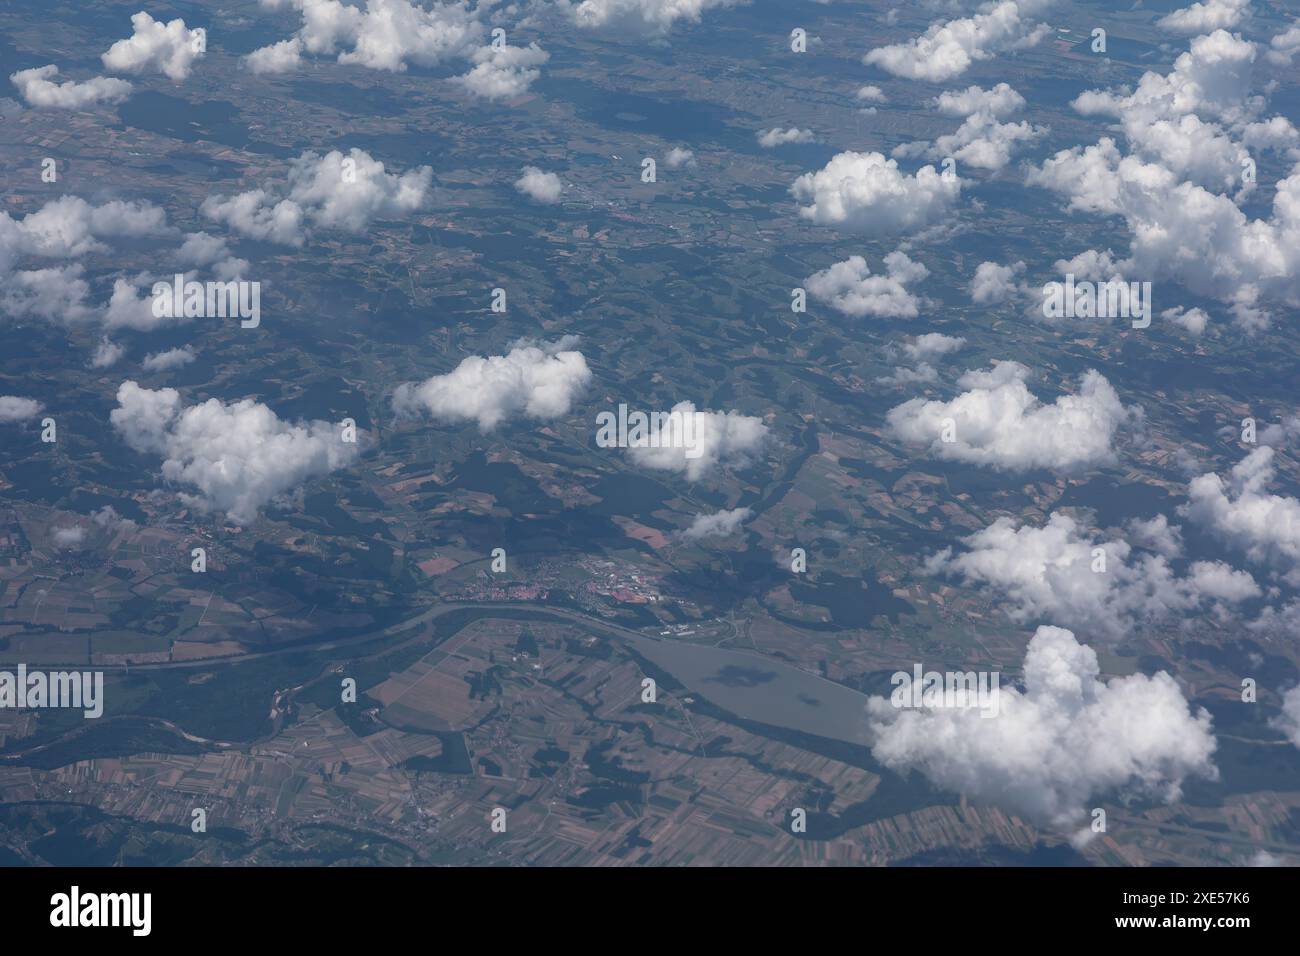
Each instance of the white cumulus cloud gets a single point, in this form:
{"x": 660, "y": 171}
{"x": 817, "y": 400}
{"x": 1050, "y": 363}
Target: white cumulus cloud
{"x": 871, "y": 94}
{"x": 238, "y": 455}
{"x": 1283, "y": 47}
{"x": 717, "y": 525}
{"x": 1000, "y": 424}
{"x": 106, "y": 354}
{"x": 982, "y": 140}
{"x": 647, "y": 18}
{"x": 999, "y": 101}
{"x": 1066, "y": 740}
{"x": 334, "y": 191}
{"x": 1195, "y": 321}
{"x": 62, "y": 229}
{"x": 678, "y": 157}
{"x": 1175, "y": 119}
{"x": 776, "y": 136}
{"x": 867, "y": 193}
{"x": 1205, "y": 16}
{"x": 168, "y": 360}
{"x": 849, "y": 287}
{"x": 16, "y": 409}
{"x": 711, "y": 440}
{"x": 932, "y": 345}
{"x": 40, "y": 88}
{"x": 539, "y": 186}
{"x": 1059, "y": 573}
{"x": 1190, "y": 133}
{"x": 948, "y": 48}
{"x": 536, "y": 380}
{"x": 382, "y": 34}
{"x": 503, "y": 72}
{"x": 995, "y": 283}
{"x": 1288, "y": 721}
{"x": 1242, "y": 512}
{"x": 282, "y": 57}
{"x": 155, "y": 47}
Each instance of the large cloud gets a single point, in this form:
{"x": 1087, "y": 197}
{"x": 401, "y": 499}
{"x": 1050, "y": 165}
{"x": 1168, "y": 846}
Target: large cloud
{"x": 1057, "y": 574}
{"x": 867, "y": 193}
{"x": 538, "y": 381}
{"x": 1183, "y": 231}
{"x": 1173, "y": 118}
{"x": 238, "y": 455}
{"x": 947, "y": 49}
{"x": 1065, "y": 741}
{"x": 40, "y": 88}
{"x": 334, "y": 191}
{"x": 1000, "y": 424}
{"x": 155, "y": 47}
{"x": 1190, "y": 132}
{"x": 850, "y": 287}
{"x": 1242, "y": 512}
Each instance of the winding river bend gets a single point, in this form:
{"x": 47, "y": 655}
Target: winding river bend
{"x": 737, "y": 683}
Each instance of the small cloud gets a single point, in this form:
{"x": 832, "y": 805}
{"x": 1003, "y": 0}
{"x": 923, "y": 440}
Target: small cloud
{"x": 15, "y": 409}
{"x": 539, "y": 186}
{"x": 107, "y": 353}
{"x": 166, "y": 361}
{"x": 678, "y": 157}
{"x": 771, "y": 138}
{"x": 717, "y": 525}
{"x": 69, "y": 537}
